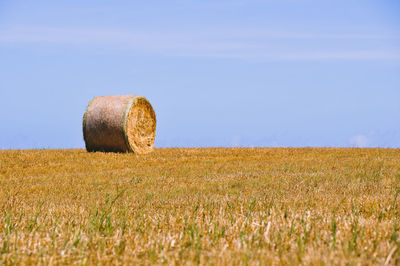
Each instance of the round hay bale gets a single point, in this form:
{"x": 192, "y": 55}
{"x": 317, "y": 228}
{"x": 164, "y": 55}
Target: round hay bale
{"x": 123, "y": 123}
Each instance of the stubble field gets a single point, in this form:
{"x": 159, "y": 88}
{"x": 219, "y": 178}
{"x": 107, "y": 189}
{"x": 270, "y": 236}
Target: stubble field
{"x": 217, "y": 206}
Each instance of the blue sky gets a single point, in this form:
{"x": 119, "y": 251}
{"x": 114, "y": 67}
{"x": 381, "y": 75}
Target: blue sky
{"x": 218, "y": 73}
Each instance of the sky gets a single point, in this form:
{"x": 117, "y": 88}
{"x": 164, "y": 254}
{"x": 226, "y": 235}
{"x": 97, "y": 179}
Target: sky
{"x": 225, "y": 73}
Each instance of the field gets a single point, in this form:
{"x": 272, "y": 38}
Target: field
{"x": 253, "y": 206}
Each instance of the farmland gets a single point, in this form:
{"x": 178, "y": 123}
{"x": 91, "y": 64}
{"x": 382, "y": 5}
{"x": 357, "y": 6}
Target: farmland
{"x": 201, "y": 205}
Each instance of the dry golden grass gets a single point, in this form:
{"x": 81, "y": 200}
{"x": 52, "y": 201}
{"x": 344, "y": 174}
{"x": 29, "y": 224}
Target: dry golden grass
{"x": 220, "y": 206}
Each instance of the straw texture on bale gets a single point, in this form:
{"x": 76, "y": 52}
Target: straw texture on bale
{"x": 123, "y": 123}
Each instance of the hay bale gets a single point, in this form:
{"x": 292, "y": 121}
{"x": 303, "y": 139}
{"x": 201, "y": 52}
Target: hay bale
{"x": 124, "y": 123}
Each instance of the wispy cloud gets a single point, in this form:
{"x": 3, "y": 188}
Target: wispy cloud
{"x": 221, "y": 43}
{"x": 359, "y": 141}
